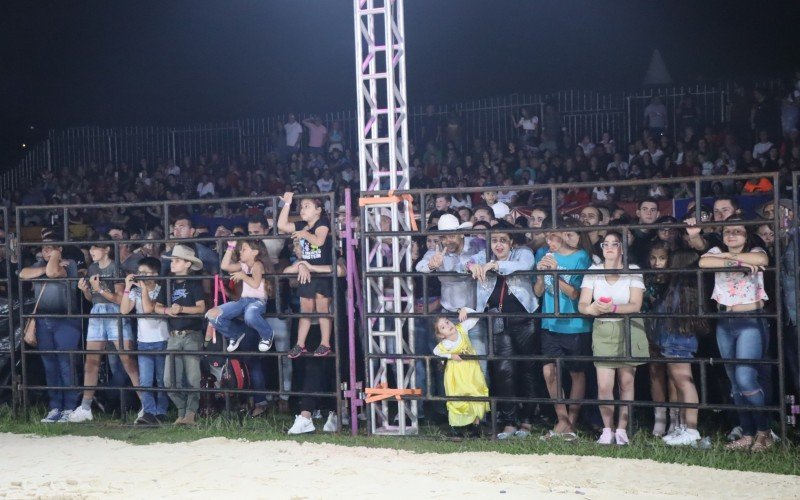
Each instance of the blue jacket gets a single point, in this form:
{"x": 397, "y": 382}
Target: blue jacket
{"x": 521, "y": 287}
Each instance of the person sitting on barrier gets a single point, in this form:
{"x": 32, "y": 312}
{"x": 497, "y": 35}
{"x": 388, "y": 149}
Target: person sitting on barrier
{"x": 566, "y": 250}
{"x": 313, "y": 233}
{"x": 461, "y": 377}
{"x": 187, "y": 298}
{"x": 253, "y": 264}
{"x": 744, "y": 337}
{"x": 614, "y": 293}
{"x": 500, "y": 291}
{"x": 676, "y": 338}
{"x": 56, "y": 334}
{"x": 152, "y": 335}
{"x": 105, "y": 295}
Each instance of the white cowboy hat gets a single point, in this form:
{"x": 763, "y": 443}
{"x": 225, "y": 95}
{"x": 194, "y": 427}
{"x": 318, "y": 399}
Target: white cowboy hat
{"x": 448, "y": 222}
{"x": 186, "y": 253}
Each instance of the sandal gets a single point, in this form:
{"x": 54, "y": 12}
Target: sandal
{"x": 743, "y": 443}
{"x": 296, "y": 351}
{"x": 763, "y": 442}
{"x": 322, "y": 350}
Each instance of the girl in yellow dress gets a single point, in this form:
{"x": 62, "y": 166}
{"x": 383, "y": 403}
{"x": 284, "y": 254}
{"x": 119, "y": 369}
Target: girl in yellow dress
{"x": 461, "y": 377}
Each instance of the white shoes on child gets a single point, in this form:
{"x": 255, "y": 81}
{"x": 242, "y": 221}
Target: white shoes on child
{"x": 302, "y": 425}
{"x": 233, "y": 344}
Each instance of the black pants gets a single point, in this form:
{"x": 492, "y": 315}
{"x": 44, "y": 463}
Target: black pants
{"x": 514, "y": 378}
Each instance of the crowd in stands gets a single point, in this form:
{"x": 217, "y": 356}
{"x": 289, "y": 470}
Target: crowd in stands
{"x": 475, "y": 234}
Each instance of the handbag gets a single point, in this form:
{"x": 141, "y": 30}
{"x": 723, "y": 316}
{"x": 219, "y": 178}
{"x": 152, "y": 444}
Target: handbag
{"x": 211, "y": 332}
{"x": 29, "y": 333}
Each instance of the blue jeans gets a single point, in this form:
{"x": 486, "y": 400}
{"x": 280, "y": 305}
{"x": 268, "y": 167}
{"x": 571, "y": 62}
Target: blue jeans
{"x": 150, "y": 365}
{"x": 59, "y": 369}
{"x": 745, "y": 338}
{"x": 251, "y": 309}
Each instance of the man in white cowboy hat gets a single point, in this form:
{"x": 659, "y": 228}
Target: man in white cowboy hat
{"x": 457, "y": 291}
{"x": 185, "y": 333}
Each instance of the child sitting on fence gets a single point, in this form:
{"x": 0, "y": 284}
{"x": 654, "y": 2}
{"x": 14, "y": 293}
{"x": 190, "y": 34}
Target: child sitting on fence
{"x": 250, "y": 308}
{"x": 461, "y": 377}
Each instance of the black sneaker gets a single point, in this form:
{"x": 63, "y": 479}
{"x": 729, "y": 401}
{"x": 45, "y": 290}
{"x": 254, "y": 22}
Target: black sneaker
{"x": 162, "y": 419}
{"x": 147, "y": 419}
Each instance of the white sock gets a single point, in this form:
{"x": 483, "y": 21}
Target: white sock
{"x": 660, "y": 424}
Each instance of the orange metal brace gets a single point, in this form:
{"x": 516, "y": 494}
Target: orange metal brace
{"x": 392, "y": 198}
{"x": 382, "y": 392}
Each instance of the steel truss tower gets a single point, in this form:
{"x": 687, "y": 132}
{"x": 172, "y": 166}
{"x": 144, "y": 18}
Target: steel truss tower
{"x": 383, "y": 165}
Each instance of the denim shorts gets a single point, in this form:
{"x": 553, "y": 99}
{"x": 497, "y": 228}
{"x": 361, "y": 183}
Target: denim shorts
{"x": 675, "y": 345}
{"x": 107, "y": 329}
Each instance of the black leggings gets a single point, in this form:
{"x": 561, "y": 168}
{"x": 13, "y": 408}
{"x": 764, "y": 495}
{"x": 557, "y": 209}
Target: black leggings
{"x": 514, "y": 378}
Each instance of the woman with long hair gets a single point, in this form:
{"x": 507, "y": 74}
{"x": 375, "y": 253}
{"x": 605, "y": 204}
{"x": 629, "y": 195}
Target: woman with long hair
{"x": 607, "y": 297}
{"x": 742, "y": 336}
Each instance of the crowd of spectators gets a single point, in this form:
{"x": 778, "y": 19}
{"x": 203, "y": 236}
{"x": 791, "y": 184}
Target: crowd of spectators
{"x": 760, "y": 138}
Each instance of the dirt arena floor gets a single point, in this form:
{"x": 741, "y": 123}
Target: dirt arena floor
{"x": 90, "y": 467}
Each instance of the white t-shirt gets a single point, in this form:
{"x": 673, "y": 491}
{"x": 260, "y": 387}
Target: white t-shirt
{"x": 507, "y": 197}
{"x": 204, "y": 189}
{"x": 325, "y": 185}
{"x": 761, "y": 148}
{"x": 602, "y": 193}
{"x": 620, "y": 292}
{"x": 529, "y": 124}
{"x": 149, "y": 329}
{"x": 293, "y": 133}
{"x": 735, "y": 288}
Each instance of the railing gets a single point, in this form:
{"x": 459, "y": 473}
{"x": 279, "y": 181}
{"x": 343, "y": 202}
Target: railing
{"x": 22, "y": 389}
{"x": 580, "y": 112}
{"x": 702, "y": 365}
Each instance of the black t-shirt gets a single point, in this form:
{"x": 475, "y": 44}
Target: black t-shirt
{"x": 510, "y": 303}
{"x": 314, "y": 255}
{"x": 185, "y": 293}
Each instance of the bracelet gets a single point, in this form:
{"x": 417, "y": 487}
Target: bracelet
{"x": 126, "y": 292}
{"x": 231, "y": 247}
{"x": 614, "y": 309}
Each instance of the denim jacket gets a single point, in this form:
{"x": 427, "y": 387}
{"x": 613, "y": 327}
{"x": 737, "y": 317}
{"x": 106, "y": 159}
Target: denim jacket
{"x": 457, "y": 291}
{"x": 521, "y": 287}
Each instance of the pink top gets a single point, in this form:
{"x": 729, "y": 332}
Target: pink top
{"x": 735, "y": 288}
{"x": 249, "y": 291}
{"x": 316, "y": 135}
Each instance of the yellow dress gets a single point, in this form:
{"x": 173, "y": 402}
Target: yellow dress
{"x": 463, "y": 378}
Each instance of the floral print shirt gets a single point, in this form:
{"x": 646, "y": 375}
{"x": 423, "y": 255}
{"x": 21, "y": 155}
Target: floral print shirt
{"x": 735, "y": 288}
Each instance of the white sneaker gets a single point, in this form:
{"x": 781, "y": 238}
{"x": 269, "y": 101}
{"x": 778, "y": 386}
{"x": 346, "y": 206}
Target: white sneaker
{"x": 265, "y": 345}
{"x": 330, "y": 424}
{"x": 64, "y": 416}
{"x": 302, "y": 425}
{"x": 52, "y": 416}
{"x": 233, "y": 344}
{"x": 80, "y": 415}
{"x": 140, "y": 414}
{"x": 677, "y": 431}
{"x": 685, "y": 438}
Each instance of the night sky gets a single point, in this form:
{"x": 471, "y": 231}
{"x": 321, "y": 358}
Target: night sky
{"x": 112, "y": 62}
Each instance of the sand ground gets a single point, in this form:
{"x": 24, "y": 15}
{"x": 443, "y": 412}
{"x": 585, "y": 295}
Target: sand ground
{"x": 91, "y": 467}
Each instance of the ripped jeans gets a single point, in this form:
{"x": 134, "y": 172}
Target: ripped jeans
{"x": 745, "y": 338}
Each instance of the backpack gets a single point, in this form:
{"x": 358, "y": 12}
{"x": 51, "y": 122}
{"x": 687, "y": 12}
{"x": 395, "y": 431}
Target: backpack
{"x": 235, "y": 375}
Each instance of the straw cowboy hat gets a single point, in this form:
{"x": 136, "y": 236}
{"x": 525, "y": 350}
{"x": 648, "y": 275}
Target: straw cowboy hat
{"x": 448, "y": 222}
{"x": 186, "y": 253}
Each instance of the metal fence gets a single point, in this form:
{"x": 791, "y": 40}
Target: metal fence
{"x": 23, "y": 385}
{"x": 579, "y": 112}
{"x": 702, "y": 366}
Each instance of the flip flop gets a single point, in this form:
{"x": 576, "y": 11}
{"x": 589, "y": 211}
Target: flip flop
{"x": 547, "y": 437}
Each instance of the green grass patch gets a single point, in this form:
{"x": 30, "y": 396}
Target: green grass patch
{"x": 779, "y": 460}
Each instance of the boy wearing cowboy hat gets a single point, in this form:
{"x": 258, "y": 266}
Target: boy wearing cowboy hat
{"x": 184, "y": 332}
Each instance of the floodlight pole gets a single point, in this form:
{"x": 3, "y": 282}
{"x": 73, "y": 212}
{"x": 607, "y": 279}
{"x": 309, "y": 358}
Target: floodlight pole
{"x": 383, "y": 165}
